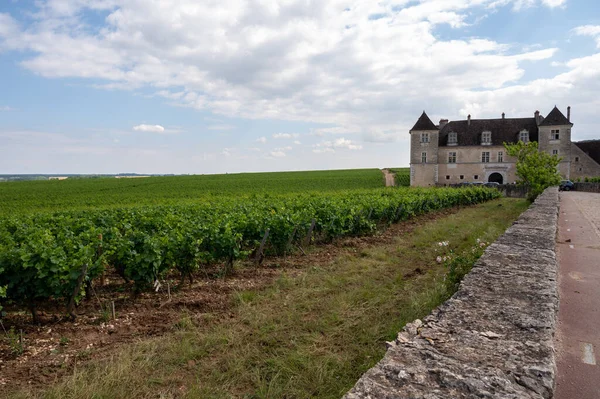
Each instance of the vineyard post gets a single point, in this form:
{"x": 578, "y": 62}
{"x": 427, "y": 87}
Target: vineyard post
{"x": 290, "y": 240}
{"x": 71, "y": 304}
{"x": 306, "y": 241}
{"x": 112, "y": 304}
{"x": 259, "y": 254}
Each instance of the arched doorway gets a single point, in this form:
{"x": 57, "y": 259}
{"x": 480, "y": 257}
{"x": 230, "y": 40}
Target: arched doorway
{"x": 496, "y": 178}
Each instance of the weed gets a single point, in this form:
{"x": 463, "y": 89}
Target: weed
{"x": 15, "y": 341}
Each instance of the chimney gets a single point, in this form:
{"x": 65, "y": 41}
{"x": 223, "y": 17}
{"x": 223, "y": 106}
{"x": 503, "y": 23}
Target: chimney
{"x": 469, "y": 120}
{"x": 443, "y": 122}
{"x": 569, "y": 113}
{"x": 537, "y": 117}
{"x": 503, "y": 114}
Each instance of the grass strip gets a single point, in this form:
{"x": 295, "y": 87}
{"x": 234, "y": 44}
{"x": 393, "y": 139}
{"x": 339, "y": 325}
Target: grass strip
{"x": 309, "y": 335}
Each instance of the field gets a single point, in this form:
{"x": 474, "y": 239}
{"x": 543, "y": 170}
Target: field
{"x": 51, "y": 196}
{"x": 198, "y": 249}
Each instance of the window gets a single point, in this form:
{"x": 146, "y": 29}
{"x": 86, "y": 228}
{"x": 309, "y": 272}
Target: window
{"x": 485, "y": 156}
{"x": 447, "y": 177}
{"x": 486, "y": 138}
{"x": 452, "y": 138}
{"x": 500, "y": 156}
{"x": 462, "y": 177}
{"x": 580, "y": 169}
{"x": 476, "y": 177}
{"x": 524, "y": 136}
{"x": 424, "y": 157}
{"x": 452, "y": 157}
{"x": 424, "y": 137}
{"x": 555, "y": 134}
{"x": 554, "y": 152}
{"x": 576, "y": 159}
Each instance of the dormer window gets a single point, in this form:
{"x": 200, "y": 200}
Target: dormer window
{"x": 424, "y": 137}
{"x": 524, "y": 136}
{"x": 452, "y": 138}
{"x": 555, "y": 134}
{"x": 486, "y": 138}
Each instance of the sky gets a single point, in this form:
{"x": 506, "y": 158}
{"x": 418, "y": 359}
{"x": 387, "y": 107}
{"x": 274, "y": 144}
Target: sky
{"x": 227, "y": 86}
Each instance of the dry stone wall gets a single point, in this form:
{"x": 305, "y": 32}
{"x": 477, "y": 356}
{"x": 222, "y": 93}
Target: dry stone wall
{"x": 494, "y": 337}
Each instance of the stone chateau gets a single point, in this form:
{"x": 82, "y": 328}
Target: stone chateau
{"x": 472, "y": 150}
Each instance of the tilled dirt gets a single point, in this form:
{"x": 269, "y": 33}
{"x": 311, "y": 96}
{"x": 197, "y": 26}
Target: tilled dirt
{"x": 39, "y": 354}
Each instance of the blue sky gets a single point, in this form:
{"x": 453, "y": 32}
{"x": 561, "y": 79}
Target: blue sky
{"x": 186, "y": 86}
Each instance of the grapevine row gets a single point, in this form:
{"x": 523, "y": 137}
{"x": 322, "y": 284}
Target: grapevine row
{"x": 43, "y": 256}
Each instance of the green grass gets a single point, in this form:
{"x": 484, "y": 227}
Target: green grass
{"x": 310, "y": 335}
{"x": 34, "y": 196}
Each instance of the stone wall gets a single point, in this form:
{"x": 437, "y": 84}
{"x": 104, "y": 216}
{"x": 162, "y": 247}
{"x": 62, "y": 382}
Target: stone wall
{"x": 589, "y": 187}
{"x": 494, "y": 337}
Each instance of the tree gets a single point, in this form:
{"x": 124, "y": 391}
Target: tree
{"x": 535, "y": 168}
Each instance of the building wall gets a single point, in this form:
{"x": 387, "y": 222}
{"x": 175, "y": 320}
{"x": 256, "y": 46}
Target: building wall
{"x": 469, "y": 166}
{"x": 563, "y": 146}
{"x": 423, "y": 174}
{"x": 582, "y": 165}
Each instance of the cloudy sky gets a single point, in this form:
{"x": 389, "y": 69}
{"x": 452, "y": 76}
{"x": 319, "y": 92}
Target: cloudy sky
{"x": 214, "y": 86}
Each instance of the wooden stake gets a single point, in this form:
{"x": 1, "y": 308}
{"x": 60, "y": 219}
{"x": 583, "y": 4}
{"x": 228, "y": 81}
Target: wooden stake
{"x": 290, "y": 240}
{"x": 259, "y": 254}
{"x": 169, "y": 290}
{"x": 112, "y": 304}
{"x": 71, "y": 304}
{"x": 309, "y": 235}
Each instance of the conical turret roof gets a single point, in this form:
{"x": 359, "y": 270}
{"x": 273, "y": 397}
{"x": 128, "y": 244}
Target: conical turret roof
{"x": 424, "y": 123}
{"x": 554, "y": 118}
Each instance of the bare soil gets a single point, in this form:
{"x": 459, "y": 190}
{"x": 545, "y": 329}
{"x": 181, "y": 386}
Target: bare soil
{"x": 55, "y": 347}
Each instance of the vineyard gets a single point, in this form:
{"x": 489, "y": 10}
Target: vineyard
{"x": 50, "y": 196}
{"x": 58, "y": 255}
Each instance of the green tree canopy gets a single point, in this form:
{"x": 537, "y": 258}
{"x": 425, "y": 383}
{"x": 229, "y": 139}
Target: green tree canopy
{"x": 535, "y": 168}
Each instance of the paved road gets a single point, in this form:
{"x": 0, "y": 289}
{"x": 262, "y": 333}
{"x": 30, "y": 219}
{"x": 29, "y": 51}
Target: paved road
{"x": 578, "y": 334}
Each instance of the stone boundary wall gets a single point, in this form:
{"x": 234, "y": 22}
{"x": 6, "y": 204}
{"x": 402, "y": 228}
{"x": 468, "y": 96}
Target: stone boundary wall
{"x": 588, "y": 187}
{"x": 494, "y": 337}
{"x": 513, "y": 190}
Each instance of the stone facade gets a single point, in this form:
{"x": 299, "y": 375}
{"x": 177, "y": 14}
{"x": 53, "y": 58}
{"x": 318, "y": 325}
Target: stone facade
{"x": 582, "y": 164}
{"x": 472, "y": 150}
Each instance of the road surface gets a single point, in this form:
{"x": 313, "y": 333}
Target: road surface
{"x": 578, "y": 333}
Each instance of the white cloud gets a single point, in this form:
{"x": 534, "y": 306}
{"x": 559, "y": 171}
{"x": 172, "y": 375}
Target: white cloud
{"x": 286, "y": 148}
{"x": 340, "y": 143}
{"x": 589, "y": 30}
{"x": 6, "y": 109}
{"x": 277, "y": 154}
{"x": 292, "y": 60}
{"x": 149, "y": 128}
{"x": 285, "y": 135}
{"x": 301, "y": 61}
{"x": 297, "y": 142}
{"x": 554, "y": 3}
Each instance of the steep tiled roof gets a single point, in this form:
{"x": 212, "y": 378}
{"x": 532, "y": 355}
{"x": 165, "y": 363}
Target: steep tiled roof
{"x": 555, "y": 117}
{"x": 424, "y": 123}
{"x": 503, "y": 130}
{"x": 590, "y": 147}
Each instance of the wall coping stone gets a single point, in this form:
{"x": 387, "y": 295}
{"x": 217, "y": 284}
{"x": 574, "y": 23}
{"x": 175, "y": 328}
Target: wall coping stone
{"x": 494, "y": 337}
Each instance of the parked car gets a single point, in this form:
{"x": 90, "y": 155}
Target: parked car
{"x": 566, "y": 185}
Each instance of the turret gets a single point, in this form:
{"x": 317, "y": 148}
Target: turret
{"x": 424, "y": 152}
{"x": 554, "y": 137}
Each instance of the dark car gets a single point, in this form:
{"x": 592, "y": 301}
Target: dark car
{"x": 566, "y": 185}
{"x": 492, "y": 184}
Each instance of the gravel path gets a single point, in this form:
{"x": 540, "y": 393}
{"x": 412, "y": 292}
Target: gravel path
{"x": 389, "y": 178}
